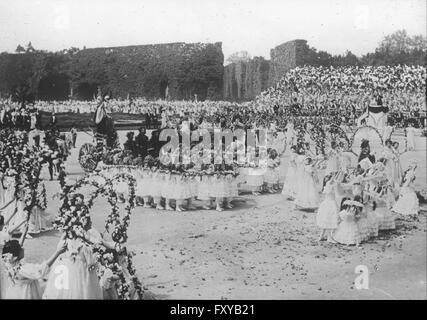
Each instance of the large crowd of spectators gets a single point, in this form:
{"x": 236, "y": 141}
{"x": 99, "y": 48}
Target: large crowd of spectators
{"x": 338, "y": 95}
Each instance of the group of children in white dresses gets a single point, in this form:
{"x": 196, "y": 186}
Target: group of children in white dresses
{"x": 264, "y": 177}
{"x": 301, "y": 180}
{"x": 159, "y": 186}
{"x": 357, "y": 204}
{"x": 12, "y": 205}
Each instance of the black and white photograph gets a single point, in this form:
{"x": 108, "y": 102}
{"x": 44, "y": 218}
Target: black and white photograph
{"x": 213, "y": 151}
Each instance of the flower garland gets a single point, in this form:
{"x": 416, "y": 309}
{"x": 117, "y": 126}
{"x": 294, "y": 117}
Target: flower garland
{"x": 339, "y": 136}
{"x": 73, "y": 211}
{"x": 364, "y": 127}
{"x": 22, "y": 163}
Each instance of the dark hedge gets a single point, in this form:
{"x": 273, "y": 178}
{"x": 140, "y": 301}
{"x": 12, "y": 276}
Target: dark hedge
{"x": 143, "y": 71}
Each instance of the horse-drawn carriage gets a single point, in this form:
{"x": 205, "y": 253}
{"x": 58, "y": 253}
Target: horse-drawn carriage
{"x": 90, "y": 154}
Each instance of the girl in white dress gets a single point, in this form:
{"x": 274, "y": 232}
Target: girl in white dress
{"x": 307, "y": 196}
{"x": 5, "y": 236}
{"x": 169, "y": 186}
{"x": 40, "y": 219}
{"x": 390, "y": 162}
{"x": 385, "y": 217}
{"x": 81, "y": 279}
{"x": 407, "y": 203}
{"x": 373, "y": 225}
{"x": 19, "y": 214}
{"x": 145, "y": 183}
{"x": 231, "y": 186}
{"x": 204, "y": 185}
{"x": 157, "y": 184}
{"x": 410, "y": 137}
{"x": 397, "y": 163}
{"x": 327, "y": 215}
{"x": 348, "y": 231}
{"x": 299, "y": 172}
{"x": 255, "y": 177}
{"x": 362, "y": 222}
{"x": 9, "y": 195}
{"x": 332, "y": 164}
{"x": 23, "y": 277}
{"x": 289, "y": 189}
{"x": 182, "y": 190}
{"x": 218, "y": 188}
{"x": 271, "y": 176}
{"x": 290, "y": 134}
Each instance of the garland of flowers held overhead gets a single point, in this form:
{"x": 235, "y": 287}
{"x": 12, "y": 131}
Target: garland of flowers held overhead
{"x": 23, "y": 164}
{"x": 73, "y": 211}
{"x": 339, "y": 136}
{"x": 364, "y": 128}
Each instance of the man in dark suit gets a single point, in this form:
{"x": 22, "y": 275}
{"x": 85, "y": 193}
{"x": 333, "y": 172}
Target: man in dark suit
{"x": 141, "y": 142}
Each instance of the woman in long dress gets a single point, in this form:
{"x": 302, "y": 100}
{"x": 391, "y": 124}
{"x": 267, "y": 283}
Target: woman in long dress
{"x": 397, "y": 163}
{"x": 79, "y": 265}
{"x": 407, "y": 203}
{"x": 332, "y": 164}
{"x": 327, "y": 215}
{"x": 410, "y": 137}
{"x": 307, "y": 196}
{"x": 23, "y": 278}
{"x": 290, "y": 134}
{"x": 348, "y": 230}
{"x": 390, "y": 164}
{"x": 289, "y": 189}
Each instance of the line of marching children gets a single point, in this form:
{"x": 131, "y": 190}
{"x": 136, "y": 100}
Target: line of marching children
{"x": 174, "y": 187}
{"x": 357, "y": 203}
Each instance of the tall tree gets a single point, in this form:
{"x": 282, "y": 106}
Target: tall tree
{"x": 20, "y": 49}
{"x": 30, "y": 47}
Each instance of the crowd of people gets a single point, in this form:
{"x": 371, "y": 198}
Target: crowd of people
{"x": 307, "y": 115}
{"x": 340, "y": 94}
{"x": 359, "y": 200}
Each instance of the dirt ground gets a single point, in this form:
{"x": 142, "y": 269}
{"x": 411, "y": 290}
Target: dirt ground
{"x": 261, "y": 249}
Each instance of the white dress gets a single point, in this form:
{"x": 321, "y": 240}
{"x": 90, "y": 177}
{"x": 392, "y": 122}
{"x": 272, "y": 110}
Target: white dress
{"x": 385, "y": 218}
{"x": 40, "y": 220}
{"x": 373, "y": 225}
{"x": 299, "y": 173}
{"x": 23, "y": 280}
{"x": 290, "y": 133}
{"x": 363, "y": 225}
{"x": 255, "y": 177}
{"x": 203, "y": 189}
{"x": 407, "y": 203}
{"x": 9, "y": 194}
{"x": 157, "y": 182}
{"x": 144, "y": 183}
{"x": 272, "y": 173}
{"x": 327, "y": 215}
{"x": 332, "y": 164}
{"x": 348, "y": 231}
{"x": 4, "y": 237}
{"x": 410, "y": 138}
{"x": 390, "y": 166}
{"x": 80, "y": 265}
{"x": 307, "y": 196}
